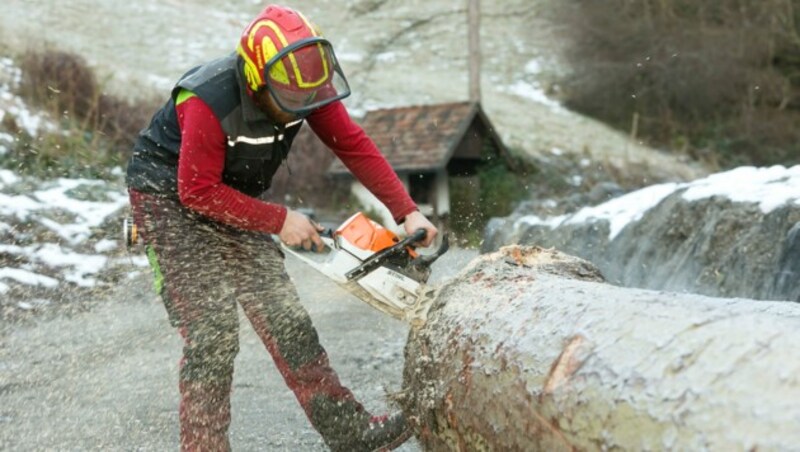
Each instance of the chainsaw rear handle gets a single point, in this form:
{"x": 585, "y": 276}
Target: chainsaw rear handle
{"x": 379, "y": 258}
{"x": 326, "y": 234}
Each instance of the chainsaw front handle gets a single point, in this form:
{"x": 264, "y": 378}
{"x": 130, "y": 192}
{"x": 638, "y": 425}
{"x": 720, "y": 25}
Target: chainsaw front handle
{"x": 380, "y": 258}
{"x": 418, "y": 236}
{"x": 424, "y": 261}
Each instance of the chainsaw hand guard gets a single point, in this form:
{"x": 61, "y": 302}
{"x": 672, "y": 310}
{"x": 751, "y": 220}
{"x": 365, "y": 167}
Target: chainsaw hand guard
{"x": 382, "y": 256}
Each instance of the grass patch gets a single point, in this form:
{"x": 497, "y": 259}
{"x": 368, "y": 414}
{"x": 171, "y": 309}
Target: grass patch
{"x": 94, "y": 131}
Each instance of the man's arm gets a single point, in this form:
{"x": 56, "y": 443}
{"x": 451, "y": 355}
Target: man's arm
{"x": 333, "y": 125}
{"x": 200, "y": 186}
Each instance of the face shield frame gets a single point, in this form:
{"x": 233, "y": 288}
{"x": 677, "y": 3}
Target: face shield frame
{"x": 306, "y": 106}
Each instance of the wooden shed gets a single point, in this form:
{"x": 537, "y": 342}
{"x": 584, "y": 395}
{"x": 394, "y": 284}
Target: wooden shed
{"x": 428, "y": 146}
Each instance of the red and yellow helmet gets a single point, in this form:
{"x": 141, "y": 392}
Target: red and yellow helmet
{"x": 285, "y": 53}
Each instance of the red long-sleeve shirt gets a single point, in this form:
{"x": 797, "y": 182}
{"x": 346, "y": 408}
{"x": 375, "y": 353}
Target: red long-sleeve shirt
{"x": 202, "y": 160}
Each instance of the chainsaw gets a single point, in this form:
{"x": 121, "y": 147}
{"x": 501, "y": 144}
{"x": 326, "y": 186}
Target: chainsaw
{"x": 375, "y": 265}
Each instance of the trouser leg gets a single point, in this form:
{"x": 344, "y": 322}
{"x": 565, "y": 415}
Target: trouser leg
{"x": 271, "y": 303}
{"x": 206, "y": 375}
{"x": 187, "y": 255}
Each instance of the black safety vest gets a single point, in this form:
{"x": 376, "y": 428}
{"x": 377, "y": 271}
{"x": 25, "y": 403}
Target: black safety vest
{"x": 255, "y": 146}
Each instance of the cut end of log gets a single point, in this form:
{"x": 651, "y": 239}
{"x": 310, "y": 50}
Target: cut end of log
{"x": 547, "y": 260}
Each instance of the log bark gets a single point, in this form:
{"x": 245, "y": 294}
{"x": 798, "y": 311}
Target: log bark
{"x": 528, "y": 349}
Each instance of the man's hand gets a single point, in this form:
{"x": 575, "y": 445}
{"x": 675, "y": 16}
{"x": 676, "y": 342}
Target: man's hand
{"x": 298, "y": 230}
{"x": 416, "y": 220}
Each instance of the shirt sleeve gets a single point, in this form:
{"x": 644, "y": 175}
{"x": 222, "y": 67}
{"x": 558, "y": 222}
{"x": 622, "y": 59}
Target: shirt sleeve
{"x": 333, "y": 125}
{"x": 200, "y": 166}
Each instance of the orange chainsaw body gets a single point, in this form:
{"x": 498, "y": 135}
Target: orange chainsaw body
{"x": 368, "y": 235}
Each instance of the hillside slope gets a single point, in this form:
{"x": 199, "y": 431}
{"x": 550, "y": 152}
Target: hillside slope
{"x": 394, "y": 52}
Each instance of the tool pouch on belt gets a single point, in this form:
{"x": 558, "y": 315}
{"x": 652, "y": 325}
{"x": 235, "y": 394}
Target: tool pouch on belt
{"x": 158, "y": 285}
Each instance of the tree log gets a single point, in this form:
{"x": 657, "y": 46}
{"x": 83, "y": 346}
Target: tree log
{"x": 528, "y": 349}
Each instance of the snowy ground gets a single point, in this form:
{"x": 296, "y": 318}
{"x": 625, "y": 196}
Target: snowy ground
{"x": 59, "y": 239}
{"x": 55, "y": 235}
{"x": 11, "y": 105}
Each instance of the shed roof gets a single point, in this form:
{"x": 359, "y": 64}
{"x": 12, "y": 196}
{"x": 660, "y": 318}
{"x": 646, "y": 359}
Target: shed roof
{"x": 421, "y": 137}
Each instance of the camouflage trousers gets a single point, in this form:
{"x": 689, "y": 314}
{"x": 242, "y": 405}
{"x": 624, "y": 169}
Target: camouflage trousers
{"x": 203, "y": 269}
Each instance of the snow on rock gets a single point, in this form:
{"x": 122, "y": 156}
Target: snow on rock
{"x": 622, "y": 211}
{"x": 732, "y": 234}
{"x": 770, "y": 187}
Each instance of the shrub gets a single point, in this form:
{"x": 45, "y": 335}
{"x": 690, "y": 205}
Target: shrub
{"x": 718, "y": 76}
{"x": 97, "y": 130}
{"x": 493, "y": 192}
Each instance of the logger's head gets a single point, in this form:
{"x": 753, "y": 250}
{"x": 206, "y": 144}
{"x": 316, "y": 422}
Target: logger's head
{"x": 287, "y": 65}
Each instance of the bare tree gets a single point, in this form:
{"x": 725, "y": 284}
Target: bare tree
{"x": 705, "y": 76}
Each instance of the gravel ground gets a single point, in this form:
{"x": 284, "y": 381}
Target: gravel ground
{"x": 106, "y": 379}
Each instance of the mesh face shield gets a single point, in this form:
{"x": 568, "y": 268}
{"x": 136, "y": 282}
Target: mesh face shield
{"x": 304, "y": 76}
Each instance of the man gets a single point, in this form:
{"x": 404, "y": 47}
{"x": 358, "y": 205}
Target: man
{"x": 194, "y": 179}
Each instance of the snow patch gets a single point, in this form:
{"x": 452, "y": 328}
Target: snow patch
{"x": 78, "y": 266}
{"x": 90, "y": 214}
{"x": 7, "y": 177}
{"x": 74, "y": 267}
{"x": 534, "y": 92}
{"x": 27, "y": 277}
{"x": 31, "y": 122}
{"x": 105, "y": 245}
{"x": 770, "y": 187}
{"x": 351, "y": 57}
{"x": 85, "y": 204}
{"x": 33, "y": 304}
{"x": 534, "y": 67}
{"x": 386, "y": 57}
{"x": 19, "y": 206}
